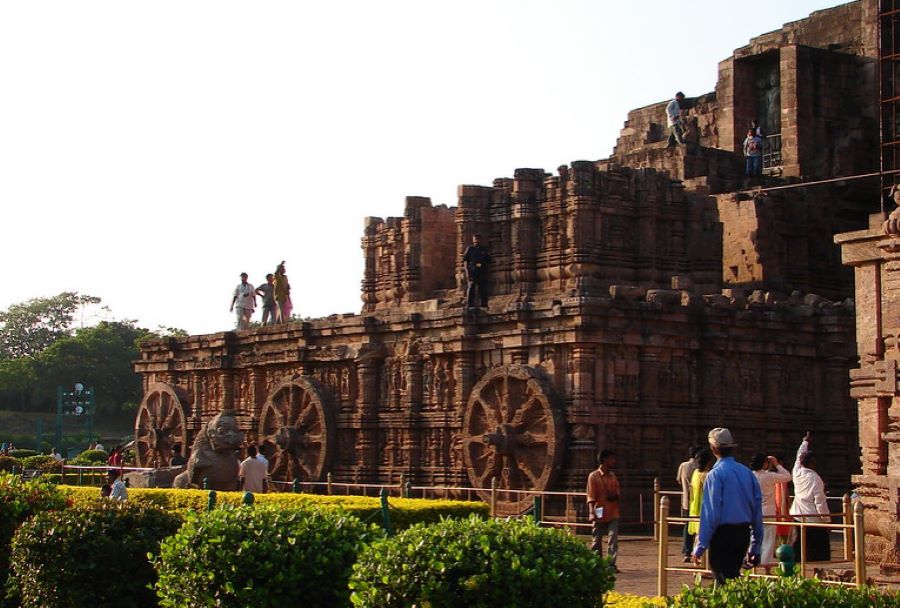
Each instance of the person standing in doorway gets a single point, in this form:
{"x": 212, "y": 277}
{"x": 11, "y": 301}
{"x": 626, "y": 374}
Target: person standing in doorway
{"x": 603, "y": 506}
{"x": 476, "y": 258}
{"x": 753, "y": 149}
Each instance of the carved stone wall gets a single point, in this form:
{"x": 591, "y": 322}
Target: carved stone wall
{"x": 874, "y": 255}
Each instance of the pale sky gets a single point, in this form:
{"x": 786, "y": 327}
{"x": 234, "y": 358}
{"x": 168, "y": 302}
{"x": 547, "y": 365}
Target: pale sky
{"x": 151, "y": 151}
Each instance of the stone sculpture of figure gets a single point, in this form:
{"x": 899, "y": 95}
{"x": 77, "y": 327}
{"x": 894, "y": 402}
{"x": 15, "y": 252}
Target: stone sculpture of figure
{"x": 212, "y": 456}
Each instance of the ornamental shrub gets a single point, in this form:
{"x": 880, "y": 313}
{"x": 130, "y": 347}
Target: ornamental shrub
{"x": 795, "y": 592}
{"x": 43, "y": 463}
{"x": 90, "y": 457}
{"x": 8, "y": 462}
{"x": 404, "y": 511}
{"x": 260, "y": 557}
{"x": 91, "y": 558}
{"x": 22, "y": 453}
{"x": 20, "y": 500}
{"x": 480, "y": 564}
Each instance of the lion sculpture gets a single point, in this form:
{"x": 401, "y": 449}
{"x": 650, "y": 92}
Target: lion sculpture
{"x": 212, "y": 455}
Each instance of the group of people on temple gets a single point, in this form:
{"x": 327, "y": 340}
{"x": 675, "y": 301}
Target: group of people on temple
{"x": 734, "y": 509}
{"x": 275, "y": 294}
{"x": 752, "y": 146}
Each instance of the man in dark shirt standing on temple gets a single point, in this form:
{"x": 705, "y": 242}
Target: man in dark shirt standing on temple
{"x": 476, "y": 258}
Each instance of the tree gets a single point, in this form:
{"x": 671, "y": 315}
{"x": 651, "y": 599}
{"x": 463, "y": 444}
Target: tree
{"x": 28, "y": 328}
{"x": 100, "y": 357}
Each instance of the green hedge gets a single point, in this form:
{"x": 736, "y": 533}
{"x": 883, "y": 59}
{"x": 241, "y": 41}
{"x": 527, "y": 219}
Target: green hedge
{"x": 91, "y": 558}
{"x": 262, "y": 557}
{"x": 43, "y": 463}
{"x": 404, "y": 511}
{"x": 789, "y": 592}
{"x": 90, "y": 457}
{"x": 8, "y": 462}
{"x": 20, "y": 500}
{"x": 22, "y": 453}
{"x": 480, "y": 564}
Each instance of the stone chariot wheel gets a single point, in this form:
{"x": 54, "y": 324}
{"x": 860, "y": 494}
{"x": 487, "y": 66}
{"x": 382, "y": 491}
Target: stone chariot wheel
{"x": 513, "y": 430}
{"x": 296, "y": 430}
{"x": 160, "y": 426}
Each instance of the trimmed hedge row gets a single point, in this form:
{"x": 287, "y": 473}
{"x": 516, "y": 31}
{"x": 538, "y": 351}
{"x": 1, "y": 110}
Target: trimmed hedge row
{"x": 260, "y": 556}
{"x": 404, "y": 512}
{"x": 20, "y": 500}
{"x": 480, "y": 564}
{"x": 795, "y": 592}
{"x": 94, "y": 557}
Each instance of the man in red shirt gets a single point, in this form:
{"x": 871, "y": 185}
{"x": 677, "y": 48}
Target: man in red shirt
{"x": 603, "y": 506}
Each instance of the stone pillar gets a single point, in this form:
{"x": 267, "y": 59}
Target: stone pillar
{"x": 875, "y": 256}
{"x": 412, "y": 405}
{"x": 367, "y": 414}
{"x": 463, "y": 380}
{"x": 525, "y": 226}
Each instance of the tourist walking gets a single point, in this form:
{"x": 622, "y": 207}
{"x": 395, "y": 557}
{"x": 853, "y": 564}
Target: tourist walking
{"x": 769, "y": 473}
{"x": 603, "y": 506}
{"x": 243, "y": 302}
{"x": 730, "y": 513}
{"x": 810, "y": 505}
{"x": 753, "y": 150}
{"x": 704, "y": 465}
{"x": 266, "y": 291}
{"x": 476, "y": 259}
{"x": 118, "y": 490}
{"x": 683, "y": 477}
{"x": 283, "y": 304}
{"x": 253, "y": 473}
{"x": 673, "y": 120}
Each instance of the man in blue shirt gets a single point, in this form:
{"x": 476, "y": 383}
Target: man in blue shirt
{"x": 730, "y": 513}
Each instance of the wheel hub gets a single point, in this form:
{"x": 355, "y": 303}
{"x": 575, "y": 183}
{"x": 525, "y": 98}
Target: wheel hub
{"x": 504, "y": 439}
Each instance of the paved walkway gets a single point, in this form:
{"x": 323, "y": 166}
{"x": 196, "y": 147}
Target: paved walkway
{"x": 638, "y": 564}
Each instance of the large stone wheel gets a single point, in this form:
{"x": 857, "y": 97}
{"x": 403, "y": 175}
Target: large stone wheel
{"x": 159, "y": 427}
{"x": 513, "y": 431}
{"x": 296, "y": 430}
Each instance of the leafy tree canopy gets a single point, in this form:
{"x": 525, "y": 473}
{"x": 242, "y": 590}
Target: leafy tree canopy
{"x": 29, "y": 327}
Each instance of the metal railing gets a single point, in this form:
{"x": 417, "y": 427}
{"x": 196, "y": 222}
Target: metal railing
{"x": 853, "y": 527}
{"x": 772, "y": 152}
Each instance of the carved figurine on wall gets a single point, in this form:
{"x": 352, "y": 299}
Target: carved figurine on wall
{"x": 476, "y": 258}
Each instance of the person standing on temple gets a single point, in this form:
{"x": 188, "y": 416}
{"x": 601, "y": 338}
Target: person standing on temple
{"x": 476, "y": 258}
{"x": 243, "y": 302}
{"x": 603, "y": 506}
{"x": 283, "y": 305}
{"x": 753, "y": 150}
{"x": 267, "y": 292}
{"x": 673, "y": 120}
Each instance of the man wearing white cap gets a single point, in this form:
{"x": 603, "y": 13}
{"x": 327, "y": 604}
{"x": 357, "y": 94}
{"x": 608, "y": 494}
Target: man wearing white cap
{"x": 731, "y": 512}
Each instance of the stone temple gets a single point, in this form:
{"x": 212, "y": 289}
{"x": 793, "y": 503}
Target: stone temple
{"x": 636, "y": 302}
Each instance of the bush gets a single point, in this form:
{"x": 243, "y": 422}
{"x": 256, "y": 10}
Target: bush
{"x": 94, "y": 557}
{"x": 795, "y": 592}
{"x": 480, "y": 563}
{"x": 8, "y": 462}
{"x": 404, "y": 513}
{"x": 20, "y": 454}
{"x": 45, "y": 464}
{"x": 258, "y": 556}
{"x": 91, "y": 457}
{"x": 19, "y": 500}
